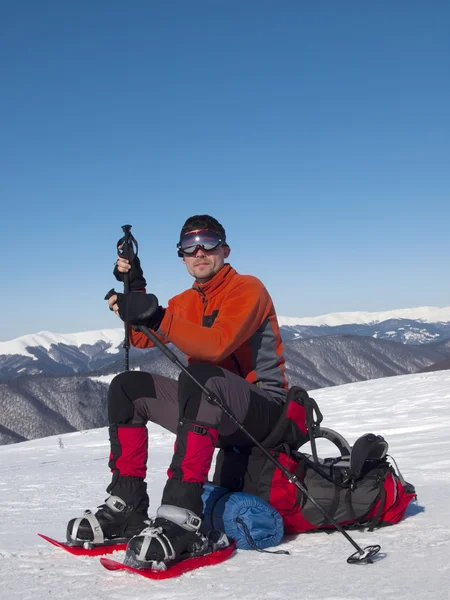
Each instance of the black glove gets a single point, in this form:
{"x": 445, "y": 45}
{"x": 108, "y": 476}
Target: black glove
{"x": 140, "y": 309}
{"x": 137, "y": 279}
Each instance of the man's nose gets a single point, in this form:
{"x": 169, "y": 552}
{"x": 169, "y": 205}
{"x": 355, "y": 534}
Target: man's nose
{"x": 199, "y": 252}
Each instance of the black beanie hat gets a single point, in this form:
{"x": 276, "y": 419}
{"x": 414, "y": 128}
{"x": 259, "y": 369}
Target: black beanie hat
{"x": 203, "y": 222}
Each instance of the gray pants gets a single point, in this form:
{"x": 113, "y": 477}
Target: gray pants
{"x": 137, "y": 397}
{"x": 164, "y": 401}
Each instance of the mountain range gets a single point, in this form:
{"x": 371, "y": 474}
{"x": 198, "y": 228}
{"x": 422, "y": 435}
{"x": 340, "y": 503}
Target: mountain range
{"x": 408, "y": 326}
{"x": 92, "y": 351}
{"x": 53, "y": 383}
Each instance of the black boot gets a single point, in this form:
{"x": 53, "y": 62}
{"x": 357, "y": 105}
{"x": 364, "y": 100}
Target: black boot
{"x": 123, "y": 515}
{"x": 172, "y": 536}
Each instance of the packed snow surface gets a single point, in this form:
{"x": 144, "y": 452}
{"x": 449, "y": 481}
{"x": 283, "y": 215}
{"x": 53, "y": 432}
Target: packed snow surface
{"x": 45, "y": 482}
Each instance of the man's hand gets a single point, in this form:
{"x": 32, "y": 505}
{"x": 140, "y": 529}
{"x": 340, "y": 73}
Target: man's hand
{"x": 137, "y": 308}
{"x": 112, "y": 303}
{"x": 123, "y": 265}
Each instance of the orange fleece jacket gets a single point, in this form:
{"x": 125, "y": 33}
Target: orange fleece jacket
{"x": 229, "y": 321}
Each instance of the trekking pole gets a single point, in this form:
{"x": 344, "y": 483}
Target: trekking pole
{"x": 362, "y": 555}
{"x": 125, "y": 249}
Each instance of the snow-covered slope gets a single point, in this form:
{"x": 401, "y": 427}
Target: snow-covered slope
{"x": 425, "y": 314}
{"x": 43, "y": 483}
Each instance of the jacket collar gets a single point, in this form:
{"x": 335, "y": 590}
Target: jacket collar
{"x": 215, "y": 285}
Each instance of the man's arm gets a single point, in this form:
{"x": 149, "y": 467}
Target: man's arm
{"x": 242, "y": 312}
{"x": 140, "y": 340}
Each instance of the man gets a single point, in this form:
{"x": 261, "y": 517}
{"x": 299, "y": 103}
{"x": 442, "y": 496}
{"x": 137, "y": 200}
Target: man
{"x": 226, "y": 325}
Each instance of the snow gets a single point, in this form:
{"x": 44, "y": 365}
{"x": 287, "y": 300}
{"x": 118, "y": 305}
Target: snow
{"x": 47, "y": 338}
{"x": 45, "y": 482}
{"x": 419, "y": 336}
{"x": 104, "y": 378}
{"x": 108, "y": 378}
{"x": 426, "y": 314}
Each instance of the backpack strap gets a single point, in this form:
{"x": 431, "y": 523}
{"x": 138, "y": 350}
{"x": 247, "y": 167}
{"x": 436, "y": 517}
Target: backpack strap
{"x": 292, "y": 426}
{"x": 409, "y": 488}
{"x": 323, "y": 467}
{"x": 335, "y": 438}
{"x": 313, "y": 420}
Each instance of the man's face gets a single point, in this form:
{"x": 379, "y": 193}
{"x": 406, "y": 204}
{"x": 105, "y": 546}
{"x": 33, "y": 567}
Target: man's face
{"x": 204, "y": 265}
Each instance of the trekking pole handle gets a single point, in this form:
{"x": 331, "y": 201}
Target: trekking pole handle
{"x": 126, "y": 244}
{"x": 126, "y": 289}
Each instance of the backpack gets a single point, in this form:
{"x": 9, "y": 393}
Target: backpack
{"x": 357, "y": 488}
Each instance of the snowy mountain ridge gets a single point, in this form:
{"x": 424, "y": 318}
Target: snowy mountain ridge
{"x": 424, "y": 314}
{"x": 114, "y": 337}
{"x": 46, "y": 339}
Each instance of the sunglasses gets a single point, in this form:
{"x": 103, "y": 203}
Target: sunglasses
{"x": 204, "y": 239}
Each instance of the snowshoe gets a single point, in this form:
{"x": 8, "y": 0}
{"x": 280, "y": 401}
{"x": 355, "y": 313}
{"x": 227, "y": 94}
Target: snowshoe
{"x": 123, "y": 515}
{"x": 174, "y": 535}
{"x": 113, "y": 521}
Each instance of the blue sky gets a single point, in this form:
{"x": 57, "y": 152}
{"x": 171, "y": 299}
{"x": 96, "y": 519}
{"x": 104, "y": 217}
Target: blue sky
{"x": 318, "y": 133}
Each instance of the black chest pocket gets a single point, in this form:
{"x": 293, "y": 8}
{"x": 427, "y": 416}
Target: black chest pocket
{"x": 208, "y": 320}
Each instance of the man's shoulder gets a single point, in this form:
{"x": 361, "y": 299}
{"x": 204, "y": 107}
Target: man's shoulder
{"x": 248, "y": 280}
{"x": 183, "y": 297}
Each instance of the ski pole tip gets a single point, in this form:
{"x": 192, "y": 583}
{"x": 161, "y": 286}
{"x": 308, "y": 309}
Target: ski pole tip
{"x": 364, "y": 557}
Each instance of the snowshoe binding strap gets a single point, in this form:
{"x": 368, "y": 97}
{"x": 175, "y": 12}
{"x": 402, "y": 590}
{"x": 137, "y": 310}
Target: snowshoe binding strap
{"x": 115, "y": 503}
{"x": 97, "y": 531}
{"x": 149, "y": 534}
{"x": 182, "y": 517}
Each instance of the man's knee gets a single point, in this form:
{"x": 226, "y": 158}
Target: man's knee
{"x": 190, "y": 393}
{"x": 124, "y": 389}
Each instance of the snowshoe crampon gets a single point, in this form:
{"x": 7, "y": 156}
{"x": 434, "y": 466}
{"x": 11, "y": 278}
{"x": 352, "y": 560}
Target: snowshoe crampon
{"x": 84, "y": 548}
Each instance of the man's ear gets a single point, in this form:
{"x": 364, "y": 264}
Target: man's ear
{"x": 226, "y": 251}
